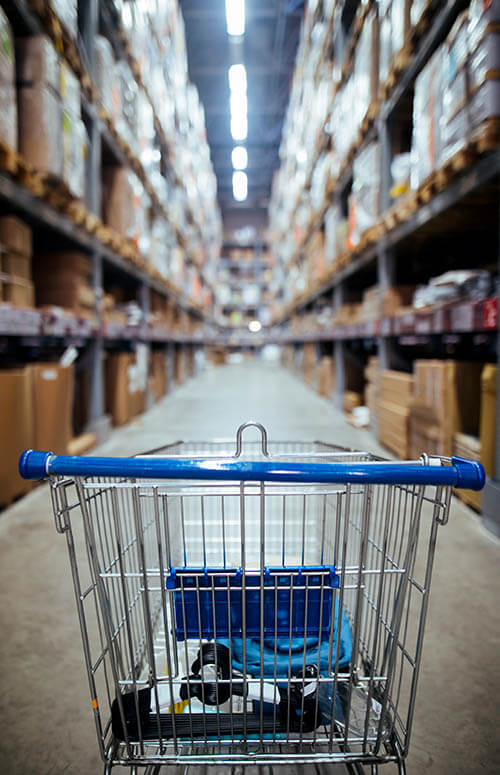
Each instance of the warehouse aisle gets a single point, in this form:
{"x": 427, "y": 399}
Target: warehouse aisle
{"x": 46, "y": 719}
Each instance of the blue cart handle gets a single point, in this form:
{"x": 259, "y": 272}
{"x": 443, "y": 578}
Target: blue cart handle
{"x": 462, "y": 473}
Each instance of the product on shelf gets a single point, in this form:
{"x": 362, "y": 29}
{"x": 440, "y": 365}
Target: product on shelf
{"x": 125, "y": 379}
{"x": 364, "y": 201}
{"x": 16, "y": 285}
{"x": 40, "y": 105}
{"x": 351, "y": 400}
{"x": 395, "y": 396}
{"x": 427, "y": 114}
{"x": 67, "y": 13}
{"x": 16, "y": 409}
{"x": 74, "y": 133}
{"x": 397, "y": 299}
{"x": 366, "y": 65}
{"x": 455, "y": 284}
{"x": 8, "y": 113}
{"x": 104, "y": 73}
{"x": 394, "y": 22}
{"x": 62, "y": 279}
{"x": 371, "y": 304}
{"x": 326, "y": 376}
{"x": 53, "y": 406}
{"x": 372, "y": 387}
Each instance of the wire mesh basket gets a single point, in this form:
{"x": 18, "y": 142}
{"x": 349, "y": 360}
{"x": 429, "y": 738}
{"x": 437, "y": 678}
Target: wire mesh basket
{"x": 265, "y": 605}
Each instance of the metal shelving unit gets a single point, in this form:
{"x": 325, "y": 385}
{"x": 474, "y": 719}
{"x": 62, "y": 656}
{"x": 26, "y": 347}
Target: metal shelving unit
{"x": 34, "y": 327}
{"x": 471, "y": 324}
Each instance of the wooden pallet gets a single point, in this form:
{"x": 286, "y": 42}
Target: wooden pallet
{"x": 9, "y": 159}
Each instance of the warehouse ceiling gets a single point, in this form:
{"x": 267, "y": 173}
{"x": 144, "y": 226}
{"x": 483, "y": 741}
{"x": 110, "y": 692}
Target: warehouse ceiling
{"x": 267, "y": 49}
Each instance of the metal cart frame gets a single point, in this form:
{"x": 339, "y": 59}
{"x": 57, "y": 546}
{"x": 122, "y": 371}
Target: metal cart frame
{"x": 262, "y": 607}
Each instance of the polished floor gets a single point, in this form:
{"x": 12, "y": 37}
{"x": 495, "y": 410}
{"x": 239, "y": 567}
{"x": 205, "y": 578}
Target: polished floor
{"x": 46, "y": 724}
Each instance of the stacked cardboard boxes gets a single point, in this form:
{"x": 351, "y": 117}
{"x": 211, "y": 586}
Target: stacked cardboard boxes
{"x": 36, "y": 404}
{"x": 8, "y": 113}
{"x": 63, "y": 280}
{"x": 158, "y": 383}
{"x": 16, "y": 285}
{"x": 326, "y": 376}
{"x": 372, "y": 389}
{"x": 309, "y": 364}
{"x": 125, "y": 379}
{"x": 446, "y": 400}
{"x": 40, "y": 106}
{"x": 396, "y": 392}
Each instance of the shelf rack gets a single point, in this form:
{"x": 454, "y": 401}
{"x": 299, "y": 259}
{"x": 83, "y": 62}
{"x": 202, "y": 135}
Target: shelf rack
{"x": 457, "y": 192}
{"x": 37, "y": 328}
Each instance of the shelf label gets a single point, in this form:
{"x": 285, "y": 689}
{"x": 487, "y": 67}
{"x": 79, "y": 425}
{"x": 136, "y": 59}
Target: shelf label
{"x": 490, "y": 314}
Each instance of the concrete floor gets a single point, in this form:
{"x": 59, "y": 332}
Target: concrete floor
{"x": 46, "y": 721}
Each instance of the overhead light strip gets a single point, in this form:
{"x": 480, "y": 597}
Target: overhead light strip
{"x": 235, "y": 17}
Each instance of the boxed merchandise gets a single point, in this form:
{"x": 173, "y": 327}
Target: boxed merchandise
{"x": 483, "y": 14}
{"x": 396, "y": 299}
{"x": 40, "y": 128}
{"x": 16, "y": 408}
{"x": 15, "y": 235}
{"x": 427, "y": 112}
{"x": 351, "y": 400}
{"x": 366, "y": 65}
{"x": 179, "y": 366}
{"x": 158, "y": 374}
{"x": 326, "y": 376}
{"x": 53, "y": 406}
{"x": 394, "y": 23}
{"x": 67, "y": 13}
{"x": 370, "y": 307}
{"x": 18, "y": 291}
{"x": 309, "y": 362}
{"x": 117, "y": 393}
{"x": 364, "y": 201}
{"x": 63, "y": 279}
{"x": 423, "y": 431}
{"x": 452, "y": 390}
{"x": 117, "y": 198}
{"x": 396, "y": 391}
{"x": 104, "y": 70}
{"x": 38, "y": 63}
{"x": 8, "y": 114}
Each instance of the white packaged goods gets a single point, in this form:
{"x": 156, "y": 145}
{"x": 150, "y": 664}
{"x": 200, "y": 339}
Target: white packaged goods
{"x": 8, "y": 112}
{"x": 104, "y": 72}
{"x": 75, "y": 145}
{"x": 70, "y": 91}
{"x": 366, "y": 66}
{"x": 394, "y": 19}
{"x": 417, "y": 9}
{"x": 427, "y": 112}
{"x": 481, "y": 14}
{"x": 364, "y": 204}
{"x": 38, "y": 62}
{"x": 67, "y": 13}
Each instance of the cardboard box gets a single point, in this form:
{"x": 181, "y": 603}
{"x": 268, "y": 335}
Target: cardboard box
{"x": 40, "y": 129}
{"x": 117, "y": 391}
{"x": 179, "y": 375}
{"x": 395, "y": 397}
{"x": 53, "y": 406}
{"x": 16, "y": 408}
{"x": 38, "y": 62}
{"x": 326, "y": 376}
{"x": 351, "y": 400}
{"x": 15, "y": 235}
{"x": 117, "y": 198}
{"x": 18, "y": 292}
{"x": 16, "y": 265}
{"x": 158, "y": 376}
{"x": 395, "y": 298}
{"x": 8, "y": 114}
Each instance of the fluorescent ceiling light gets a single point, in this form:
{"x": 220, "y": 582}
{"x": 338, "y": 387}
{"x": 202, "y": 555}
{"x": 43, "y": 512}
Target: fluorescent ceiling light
{"x": 239, "y": 127}
{"x": 239, "y": 157}
{"x": 238, "y": 105}
{"x": 238, "y": 78}
{"x": 235, "y": 17}
{"x": 254, "y": 326}
{"x": 240, "y": 186}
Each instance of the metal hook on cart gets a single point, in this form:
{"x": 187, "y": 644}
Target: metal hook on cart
{"x": 239, "y": 436}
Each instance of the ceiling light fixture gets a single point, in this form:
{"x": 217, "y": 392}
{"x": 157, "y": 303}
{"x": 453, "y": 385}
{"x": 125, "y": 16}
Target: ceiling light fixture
{"x": 255, "y": 326}
{"x": 235, "y": 17}
{"x": 237, "y": 78}
{"x": 239, "y": 157}
{"x": 239, "y": 128}
{"x": 240, "y": 186}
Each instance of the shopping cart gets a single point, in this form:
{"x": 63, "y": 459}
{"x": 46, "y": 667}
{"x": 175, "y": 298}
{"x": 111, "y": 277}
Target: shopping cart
{"x": 265, "y": 606}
